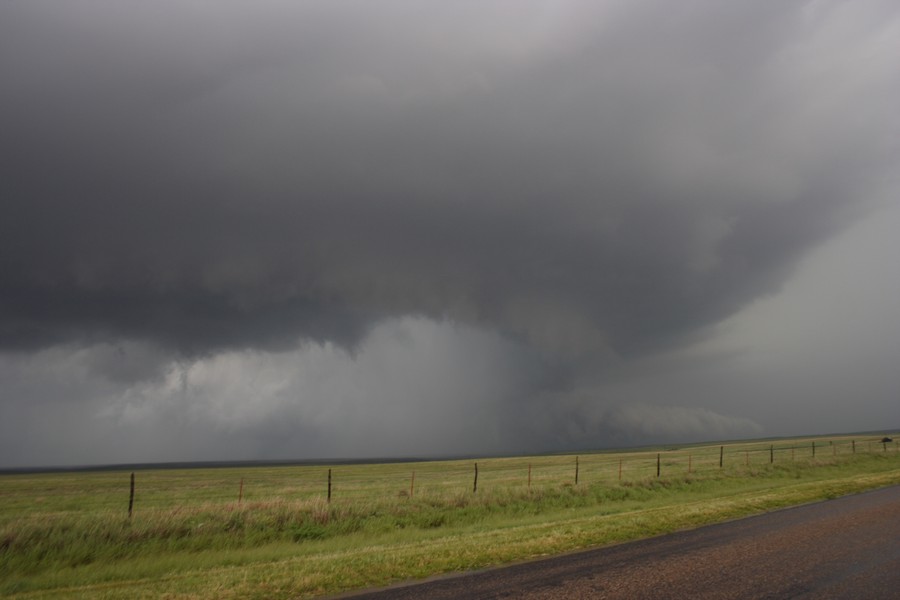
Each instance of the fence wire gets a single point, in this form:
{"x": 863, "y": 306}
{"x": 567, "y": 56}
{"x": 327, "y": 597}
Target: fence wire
{"x": 437, "y": 480}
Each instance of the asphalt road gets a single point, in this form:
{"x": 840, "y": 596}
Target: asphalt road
{"x": 843, "y": 548}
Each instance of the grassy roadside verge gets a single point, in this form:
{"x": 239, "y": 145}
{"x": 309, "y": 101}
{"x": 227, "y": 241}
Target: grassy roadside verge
{"x": 496, "y": 528}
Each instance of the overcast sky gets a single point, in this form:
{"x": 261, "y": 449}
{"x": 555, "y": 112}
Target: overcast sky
{"x": 334, "y": 228}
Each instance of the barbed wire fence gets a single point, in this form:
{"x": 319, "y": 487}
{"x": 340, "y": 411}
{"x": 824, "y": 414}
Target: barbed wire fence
{"x": 249, "y": 487}
{"x": 442, "y": 479}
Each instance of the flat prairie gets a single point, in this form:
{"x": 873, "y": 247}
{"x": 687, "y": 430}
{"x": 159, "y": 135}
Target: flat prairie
{"x": 301, "y": 531}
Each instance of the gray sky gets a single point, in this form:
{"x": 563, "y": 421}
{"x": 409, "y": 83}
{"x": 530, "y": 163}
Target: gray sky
{"x": 337, "y": 229}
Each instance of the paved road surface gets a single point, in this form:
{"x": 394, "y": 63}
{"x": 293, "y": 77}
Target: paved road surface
{"x": 844, "y": 548}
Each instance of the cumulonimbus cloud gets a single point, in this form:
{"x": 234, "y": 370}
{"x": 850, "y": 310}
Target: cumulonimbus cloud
{"x": 584, "y": 183}
{"x": 603, "y": 182}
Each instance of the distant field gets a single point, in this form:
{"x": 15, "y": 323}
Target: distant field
{"x": 271, "y": 532}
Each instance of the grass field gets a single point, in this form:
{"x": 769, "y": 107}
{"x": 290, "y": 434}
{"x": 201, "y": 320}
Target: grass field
{"x": 270, "y": 532}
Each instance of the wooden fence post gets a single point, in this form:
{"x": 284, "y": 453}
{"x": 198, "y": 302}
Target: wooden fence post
{"x": 475, "y": 485}
{"x": 131, "y": 496}
{"x": 329, "y": 485}
{"x": 576, "y": 470}
{"x": 657, "y": 465}
{"x": 620, "y": 469}
{"x": 814, "y": 449}
{"x": 721, "y": 455}
{"x": 771, "y": 454}
{"x": 853, "y": 443}
{"x": 529, "y": 476}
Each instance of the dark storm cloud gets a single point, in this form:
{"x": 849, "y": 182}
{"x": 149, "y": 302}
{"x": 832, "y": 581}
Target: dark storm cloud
{"x": 589, "y": 180}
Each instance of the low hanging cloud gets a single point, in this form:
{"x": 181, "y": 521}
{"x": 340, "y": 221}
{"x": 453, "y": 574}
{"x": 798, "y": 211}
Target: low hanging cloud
{"x": 585, "y": 184}
{"x": 413, "y": 387}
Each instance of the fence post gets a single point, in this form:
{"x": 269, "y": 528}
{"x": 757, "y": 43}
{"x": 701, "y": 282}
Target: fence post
{"x": 814, "y": 449}
{"x": 620, "y": 469}
{"x": 529, "y": 476}
{"x": 329, "y": 485}
{"x": 576, "y": 470}
{"x": 853, "y": 443}
{"x": 131, "y": 496}
{"x": 475, "y": 485}
{"x": 771, "y": 454}
{"x": 412, "y": 485}
{"x": 721, "y": 455}
{"x": 657, "y": 465}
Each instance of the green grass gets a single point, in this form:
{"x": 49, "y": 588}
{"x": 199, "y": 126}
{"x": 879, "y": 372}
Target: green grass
{"x": 69, "y": 535}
